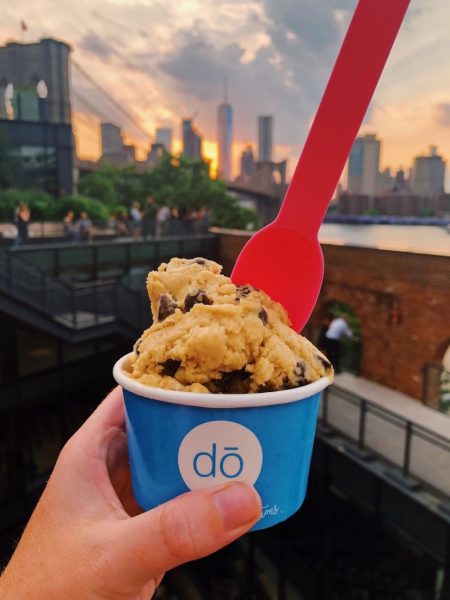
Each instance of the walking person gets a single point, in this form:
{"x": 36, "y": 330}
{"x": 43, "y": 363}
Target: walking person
{"x": 69, "y": 227}
{"x": 136, "y": 220}
{"x": 332, "y": 342}
{"x": 203, "y": 221}
{"x": 84, "y": 225}
{"x": 149, "y": 229}
{"x": 162, "y": 220}
{"x": 21, "y": 221}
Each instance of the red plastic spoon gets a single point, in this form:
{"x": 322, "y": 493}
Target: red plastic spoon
{"x": 284, "y": 258}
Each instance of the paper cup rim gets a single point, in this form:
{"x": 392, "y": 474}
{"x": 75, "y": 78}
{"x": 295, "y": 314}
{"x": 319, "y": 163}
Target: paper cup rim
{"x": 208, "y": 400}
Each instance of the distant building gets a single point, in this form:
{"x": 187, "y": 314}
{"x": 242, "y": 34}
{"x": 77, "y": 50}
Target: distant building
{"x": 129, "y": 152}
{"x": 385, "y": 182}
{"x": 428, "y": 173}
{"x": 114, "y": 150}
{"x": 156, "y": 153}
{"x": 265, "y": 138}
{"x": 364, "y": 166}
{"x": 111, "y": 139}
{"x": 164, "y": 138}
{"x": 224, "y": 137}
{"x": 192, "y": 140}
{"x": 394, "y": 204}
{"x": 400, "y": 184}
{"x": 247, "y": 162}
{"x": 35, "y": 113}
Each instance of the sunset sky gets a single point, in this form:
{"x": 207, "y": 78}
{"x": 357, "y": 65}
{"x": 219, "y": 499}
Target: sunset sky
{"x": 166, "y": 60}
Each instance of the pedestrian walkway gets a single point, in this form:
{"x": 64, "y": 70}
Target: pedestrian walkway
{"x": 391, "y": 425}
{"x": 406, "y": 406}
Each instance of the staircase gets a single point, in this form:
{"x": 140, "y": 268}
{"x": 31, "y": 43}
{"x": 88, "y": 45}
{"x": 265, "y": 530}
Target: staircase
{"x": 73, "y": 312}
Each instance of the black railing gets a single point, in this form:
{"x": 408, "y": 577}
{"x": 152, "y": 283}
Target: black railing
{"x": 415, "y": 451}
{"x": 73, "y": 306}
{"x": 99, "y": 260}
{"x": 76, "y": 285}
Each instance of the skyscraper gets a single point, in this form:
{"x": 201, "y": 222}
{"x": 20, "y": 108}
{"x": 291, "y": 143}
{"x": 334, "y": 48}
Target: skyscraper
{"x": 247, "y": 161}
{"x": 265, "y": 124}
{"x": 192, "y": 140}
{"x": 224, "y": 135}
{"x": 112, "y": 142}
{"x": 164, "y": 137}
{"x": 113, "y": 148}
{"x": 364, "y": 165}
{"x": 427, "y": 176}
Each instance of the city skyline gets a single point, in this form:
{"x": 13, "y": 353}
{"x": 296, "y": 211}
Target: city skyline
{"x": 276, "y": 63}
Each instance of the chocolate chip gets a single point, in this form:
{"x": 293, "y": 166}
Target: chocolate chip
{"x": 170, "y": 367}
{"x": 243, "y": 290}
{"x": 231, "y": 381}
{"x": 287, "y": 384}
{"x": 266, "y": 388}
{"x": 263, "y": 316}
{"x": 197, "y": 297}
{"x": 166, "y": 306}
{"x": 326, "y": 363}
{"x": 199, "y": 261}
{"x": 299, "y": 373}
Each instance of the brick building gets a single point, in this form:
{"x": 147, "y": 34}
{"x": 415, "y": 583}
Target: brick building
{"x": 401, "y": 299}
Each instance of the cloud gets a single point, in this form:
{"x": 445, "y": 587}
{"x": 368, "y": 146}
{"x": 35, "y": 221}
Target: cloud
{"x": 442, "y": 114}
{"x": 93, "y": 44}
{"x": 285, "y": 76}
{"x": 165, "y": 59}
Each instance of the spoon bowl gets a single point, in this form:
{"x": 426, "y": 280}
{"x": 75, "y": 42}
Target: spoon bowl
{"x": 277, "y": 257}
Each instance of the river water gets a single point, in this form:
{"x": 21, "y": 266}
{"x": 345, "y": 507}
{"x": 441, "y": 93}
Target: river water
{"x": 406, "y": 238}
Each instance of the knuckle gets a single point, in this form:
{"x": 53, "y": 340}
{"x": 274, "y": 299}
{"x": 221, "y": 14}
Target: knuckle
{"x": 177, "y": 532}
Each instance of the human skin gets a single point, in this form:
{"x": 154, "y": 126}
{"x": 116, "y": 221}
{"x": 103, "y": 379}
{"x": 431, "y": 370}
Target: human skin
{"x": 88, "y": 538}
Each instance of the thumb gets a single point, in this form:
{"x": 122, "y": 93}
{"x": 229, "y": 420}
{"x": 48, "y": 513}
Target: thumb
{"x": 186, "y": 528}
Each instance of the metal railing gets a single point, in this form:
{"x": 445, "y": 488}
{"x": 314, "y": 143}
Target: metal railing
{"x": 415, "y": 451}
{"x": 112, "y": 259}
{"x": 75, "y": 306}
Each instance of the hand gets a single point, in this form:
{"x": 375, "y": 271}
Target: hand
{"x": 88, "y": 539}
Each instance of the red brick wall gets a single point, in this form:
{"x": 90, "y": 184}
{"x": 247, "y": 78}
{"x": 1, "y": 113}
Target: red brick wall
{"x": 380, "y": 285}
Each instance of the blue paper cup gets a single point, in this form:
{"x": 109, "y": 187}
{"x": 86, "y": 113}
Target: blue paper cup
{"x": 181, "y": 441}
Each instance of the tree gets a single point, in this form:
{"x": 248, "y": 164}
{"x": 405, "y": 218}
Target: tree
{"x": 98, "y": 185}
{"x": 186, "y": 184}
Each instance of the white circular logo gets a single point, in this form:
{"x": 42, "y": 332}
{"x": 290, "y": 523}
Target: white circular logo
{"x": 219, "y": 452}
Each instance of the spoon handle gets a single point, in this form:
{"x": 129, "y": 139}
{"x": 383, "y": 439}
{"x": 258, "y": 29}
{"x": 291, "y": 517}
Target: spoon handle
{"x": 352, "y": 83}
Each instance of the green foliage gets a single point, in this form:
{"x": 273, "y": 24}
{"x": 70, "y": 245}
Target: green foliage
{"x": 341, "y": 308}
{"x": 186, "y": 184}
{"x": 229, "y": 214}
{"x": 174, "y": 182}
{"x": 426, "y": 212}
{"x": 46, "y": 208}
{"x": 96, "y": 210}
{"x": 98, "y": 185}
{"x": 40, "y": 204}
{"x": 372, "y": 212}
{"x": 112, "y": 185}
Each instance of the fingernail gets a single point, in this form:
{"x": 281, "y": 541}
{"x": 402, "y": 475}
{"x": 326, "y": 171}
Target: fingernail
{"x": 238, "y": 504}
